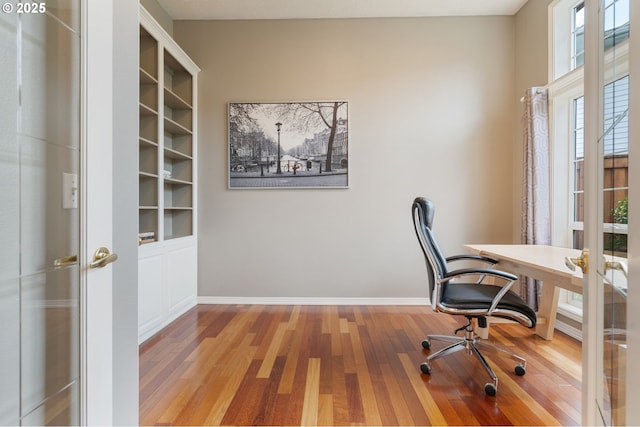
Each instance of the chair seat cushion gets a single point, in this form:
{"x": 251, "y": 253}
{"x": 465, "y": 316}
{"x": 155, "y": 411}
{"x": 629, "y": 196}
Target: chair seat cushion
{"x": 469, "y": 296}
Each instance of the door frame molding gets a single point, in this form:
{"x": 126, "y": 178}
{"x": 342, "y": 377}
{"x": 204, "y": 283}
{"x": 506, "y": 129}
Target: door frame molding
{"x": 591, "y": 374}
{"x": 96, "y": 397}
{"x": 633, "y": 301}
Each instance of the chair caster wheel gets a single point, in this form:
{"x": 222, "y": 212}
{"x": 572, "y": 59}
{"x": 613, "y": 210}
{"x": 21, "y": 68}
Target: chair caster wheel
{"x": 426, "y": 344}
{"x": 490, "y": 389}
{"x": 520, "y": 370}
{"x": 425, "y": 368}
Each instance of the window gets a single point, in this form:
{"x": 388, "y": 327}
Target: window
{"x": 616, "y": 22}
{"x": 568, "y": 18}
{"x": 576, "y": 222}
{"x": 567, "y": 130}
{"x": 577, "y": 33}
{"x": 567, "y": 38}
{"x": 616, "y": 165}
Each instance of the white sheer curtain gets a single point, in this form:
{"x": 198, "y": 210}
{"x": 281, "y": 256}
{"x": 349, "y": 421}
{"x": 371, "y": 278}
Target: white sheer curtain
{"x": 536, "y": 206}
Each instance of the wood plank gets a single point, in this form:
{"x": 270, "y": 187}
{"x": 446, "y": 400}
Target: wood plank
{"x": 272, "y": 352}
{"x": 399, "y": 405}
{"x": 233, "y": 376}
{"x": 311, "y": 401}
{"x": 369, "y": 402}
{"x": 269, "y": 400}
{"x": 426, "y": 399}
{"x": 325, "y": 410}
{"x": 244, "y": 406}
{"x": 339, "y": 392}
{"x": 291, "y": 365}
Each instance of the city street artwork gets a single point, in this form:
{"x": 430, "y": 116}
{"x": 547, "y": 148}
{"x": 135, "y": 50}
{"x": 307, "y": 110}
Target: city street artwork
{"x": 289, "y": 145}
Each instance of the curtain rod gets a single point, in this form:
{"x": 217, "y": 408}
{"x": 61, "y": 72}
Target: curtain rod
{"x": 539, "y": 91}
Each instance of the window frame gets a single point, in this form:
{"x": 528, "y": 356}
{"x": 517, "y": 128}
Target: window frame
{"x": 561, "y": 40}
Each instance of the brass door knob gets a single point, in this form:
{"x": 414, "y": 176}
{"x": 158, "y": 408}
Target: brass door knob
{"x": 616, "y": 265}
{"x": 65, "y": 261}
{"x": 102, "y": 257}
{"x": 582, "y": 262}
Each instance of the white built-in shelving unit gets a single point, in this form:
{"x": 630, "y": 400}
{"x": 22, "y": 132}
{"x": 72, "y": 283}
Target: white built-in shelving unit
{"x": 167, "y": 184}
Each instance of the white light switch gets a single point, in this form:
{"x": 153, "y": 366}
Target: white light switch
{"x": 69, "y": 191}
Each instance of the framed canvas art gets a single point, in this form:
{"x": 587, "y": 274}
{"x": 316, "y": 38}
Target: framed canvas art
{"x": 289, "y": 145}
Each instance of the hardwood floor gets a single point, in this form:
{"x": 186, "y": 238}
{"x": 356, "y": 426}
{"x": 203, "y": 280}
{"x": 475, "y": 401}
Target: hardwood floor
{"x": 346, "y": 365}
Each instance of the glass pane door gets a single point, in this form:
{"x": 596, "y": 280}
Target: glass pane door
{"x": 40, "y": 218}
{"x": 613, "y": 153}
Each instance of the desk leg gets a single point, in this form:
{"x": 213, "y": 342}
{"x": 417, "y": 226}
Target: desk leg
{"x": 482, "y": 333}
{"x": 547, "y": 309}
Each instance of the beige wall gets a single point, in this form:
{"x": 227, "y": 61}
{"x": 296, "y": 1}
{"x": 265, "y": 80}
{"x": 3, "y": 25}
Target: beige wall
{"x": 431, "y": 113}
{"x": 531, "y": 56}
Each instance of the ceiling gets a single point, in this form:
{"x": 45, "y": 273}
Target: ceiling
{"x": 315, "y": 9}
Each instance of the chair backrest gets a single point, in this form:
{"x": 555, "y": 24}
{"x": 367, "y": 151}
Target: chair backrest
{"x": 423, "y": 211}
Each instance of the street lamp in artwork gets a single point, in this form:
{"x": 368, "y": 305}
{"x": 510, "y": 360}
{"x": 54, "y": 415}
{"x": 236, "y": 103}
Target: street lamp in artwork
{"x": 278, "y": 126}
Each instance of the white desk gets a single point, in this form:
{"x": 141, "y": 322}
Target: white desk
{"x": 545, "y": 263}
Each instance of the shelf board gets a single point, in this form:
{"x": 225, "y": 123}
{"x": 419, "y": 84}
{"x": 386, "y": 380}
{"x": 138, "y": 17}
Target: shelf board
{"x": 147, "y": 175}
{"x": 145, "y": 110}
{"x": 173, "y": 100}
{"x": 178, "y": 208}
{"x": 177, "y": 236}
{"x": 145, "y": 141}
{"x": 175, "y": 128}
{"x": 154, "y": 208}
{"x": 173, "y": 154}
{"x": 146, "y": 77}
{"x": 172, "y": 181}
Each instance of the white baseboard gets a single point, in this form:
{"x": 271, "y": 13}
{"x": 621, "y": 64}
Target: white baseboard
{"x": 573, "y": 314}
{"x": 569, "y": 330}
{"x": 313, "y": 301}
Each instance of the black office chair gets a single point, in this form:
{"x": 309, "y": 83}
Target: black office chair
{"x": 475, "y": 300}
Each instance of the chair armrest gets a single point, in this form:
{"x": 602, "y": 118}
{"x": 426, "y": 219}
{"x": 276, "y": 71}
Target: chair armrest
{"x": 468, "y": 257}
{"x": 480, "y": 271}
{"x": 472, "y": 258}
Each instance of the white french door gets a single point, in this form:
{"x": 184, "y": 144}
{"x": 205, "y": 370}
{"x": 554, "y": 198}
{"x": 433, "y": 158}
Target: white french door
{"x": 55, "y": 211}
{"x": 610, "y": 195}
